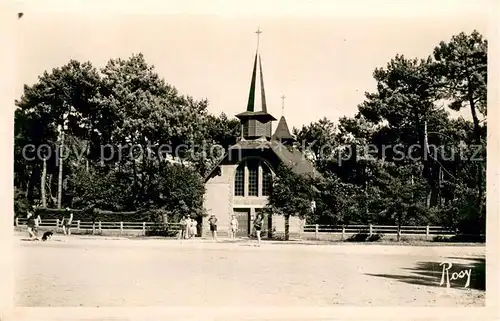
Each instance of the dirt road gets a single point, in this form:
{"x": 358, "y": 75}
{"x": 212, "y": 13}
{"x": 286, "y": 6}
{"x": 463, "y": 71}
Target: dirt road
{"x": 84, "y": 271}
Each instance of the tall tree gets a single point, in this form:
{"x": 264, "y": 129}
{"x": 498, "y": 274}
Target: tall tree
{"x": 66, "y": 91}
{"x": 291, "y": 195}
{"x": 462, "y": 64}
{"x": 318, "y": 140}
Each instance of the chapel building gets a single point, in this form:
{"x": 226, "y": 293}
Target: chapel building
{"x": 241, "y": 182}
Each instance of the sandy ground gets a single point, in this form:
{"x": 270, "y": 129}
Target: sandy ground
{"x": 95, "y": 271}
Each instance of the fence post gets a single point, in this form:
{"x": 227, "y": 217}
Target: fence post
{"x": 100, "y": 228}
{"x": 316, "y": 231}
{"x": 144, "y": 228}
{"x": 57, "y": 223}
{"x": 343, "y": 232}
{"x": 121, "y": 228}
{"x": 78, "y": 226}
{"x": 93, "y": 228}
{"x": 17, "y": 221}
{"x": 427, "y": 233}
{"x": 371, "y": 229}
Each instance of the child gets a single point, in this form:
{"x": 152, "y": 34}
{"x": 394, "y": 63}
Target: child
{"x": 234, "y": 227}
{"x": 31, "y": 225}
{"x": 257, "y": 224}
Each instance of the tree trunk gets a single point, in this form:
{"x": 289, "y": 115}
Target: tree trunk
{"x": 441, "y": 200}
{"x": 32, "y": 182}
{"x": 136, "y": 183}
{"x": 428, "y": 167}
{"x": 43, "y": 183}
{"x": 28, "y": 182}
{"x": 59, "y": 181}
{"x": 477, "y": 134}
{"x": 287, "y": 227}
{"x": 398, "y": 237}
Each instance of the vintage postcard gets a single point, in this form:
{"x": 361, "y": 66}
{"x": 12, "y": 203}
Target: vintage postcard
{"x": 287, "y": 160}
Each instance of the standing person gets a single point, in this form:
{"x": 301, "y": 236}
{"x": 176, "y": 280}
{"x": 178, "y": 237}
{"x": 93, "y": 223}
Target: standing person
{"x": 182, "y": 231}
{"x": 194, "y": 227}
{"x": 213, "y": 226}
{"x": 257, "y": 224}
{"x": 31, "y": 225}
{"x": 187, "y": 227}
{"x": 234, "y": 227}
{"x": 66, "y": 222}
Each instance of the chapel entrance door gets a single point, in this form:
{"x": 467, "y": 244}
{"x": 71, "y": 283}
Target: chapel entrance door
{"x": 243, "y": 217}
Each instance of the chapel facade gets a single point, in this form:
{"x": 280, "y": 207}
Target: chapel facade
{"x": 241, "y": 182}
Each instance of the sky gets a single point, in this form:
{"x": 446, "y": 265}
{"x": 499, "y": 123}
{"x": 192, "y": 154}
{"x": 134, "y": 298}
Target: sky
{"x": 319, "y": 54}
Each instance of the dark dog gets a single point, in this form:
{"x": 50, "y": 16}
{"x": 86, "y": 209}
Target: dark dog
{"x": 47, "y": 235}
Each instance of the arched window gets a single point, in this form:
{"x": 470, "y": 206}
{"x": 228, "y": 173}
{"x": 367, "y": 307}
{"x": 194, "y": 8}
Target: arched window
{"x": 267, "y": 180}
{"x": 253, "y": 177}
{"x": 239, "y": 181}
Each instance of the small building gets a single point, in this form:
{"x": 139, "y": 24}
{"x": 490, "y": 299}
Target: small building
{"x": 241, "y": 182}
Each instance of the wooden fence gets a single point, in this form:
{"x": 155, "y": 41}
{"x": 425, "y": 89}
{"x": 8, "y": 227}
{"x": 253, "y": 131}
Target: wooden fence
{"x": 370, "y": 229}
{"x": 317, "y": 230}
{"x": 98, "y": 226}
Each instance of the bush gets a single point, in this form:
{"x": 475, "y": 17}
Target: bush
{"x": 162, "y": 230}
{"x": 21, "y": 204}
{"x": 440, "y": 238}
{"x": 469, "y": 238}
{"x": 375, "y": 237}
{"x": 365, "y": 237}
{"x": 278, "y": 236}
{"x": 460, "y": 238}
{"x": 359, "y": 237}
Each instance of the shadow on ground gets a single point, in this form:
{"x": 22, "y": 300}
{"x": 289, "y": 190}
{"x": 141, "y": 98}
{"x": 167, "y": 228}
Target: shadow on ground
{"x": 431, "y": 273}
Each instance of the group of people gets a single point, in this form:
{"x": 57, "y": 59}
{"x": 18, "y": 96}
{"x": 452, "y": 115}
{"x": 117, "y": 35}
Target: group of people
{"x": 34, "y": 221}
{"x": 189, "y": 227}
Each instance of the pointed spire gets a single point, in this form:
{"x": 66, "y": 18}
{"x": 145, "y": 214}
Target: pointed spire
{"x": 256, "y": 124}
{"x": 282, "y": 132}
{"x": 262, "y": 91}
{"x": 251, "y": 95}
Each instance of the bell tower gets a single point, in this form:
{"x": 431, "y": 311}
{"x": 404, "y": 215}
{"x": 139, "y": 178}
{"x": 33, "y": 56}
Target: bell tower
{"x": 256, "y": 124}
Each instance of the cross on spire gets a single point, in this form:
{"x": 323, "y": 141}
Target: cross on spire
{"x": 258, "y": 32}
{"x": 283, "y": 104}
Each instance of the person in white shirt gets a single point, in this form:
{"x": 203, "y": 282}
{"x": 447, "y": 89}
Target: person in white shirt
{"x": 194, "y": 228}
{"x": 66, "y": 222}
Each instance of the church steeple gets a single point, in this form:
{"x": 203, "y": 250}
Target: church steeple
{"x": 282, "y": 132}
{"x": 256, "y": 124}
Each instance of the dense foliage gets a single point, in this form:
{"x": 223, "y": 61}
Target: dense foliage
{"x": 132, "y": 142}
{"x": 402, "y": 159}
